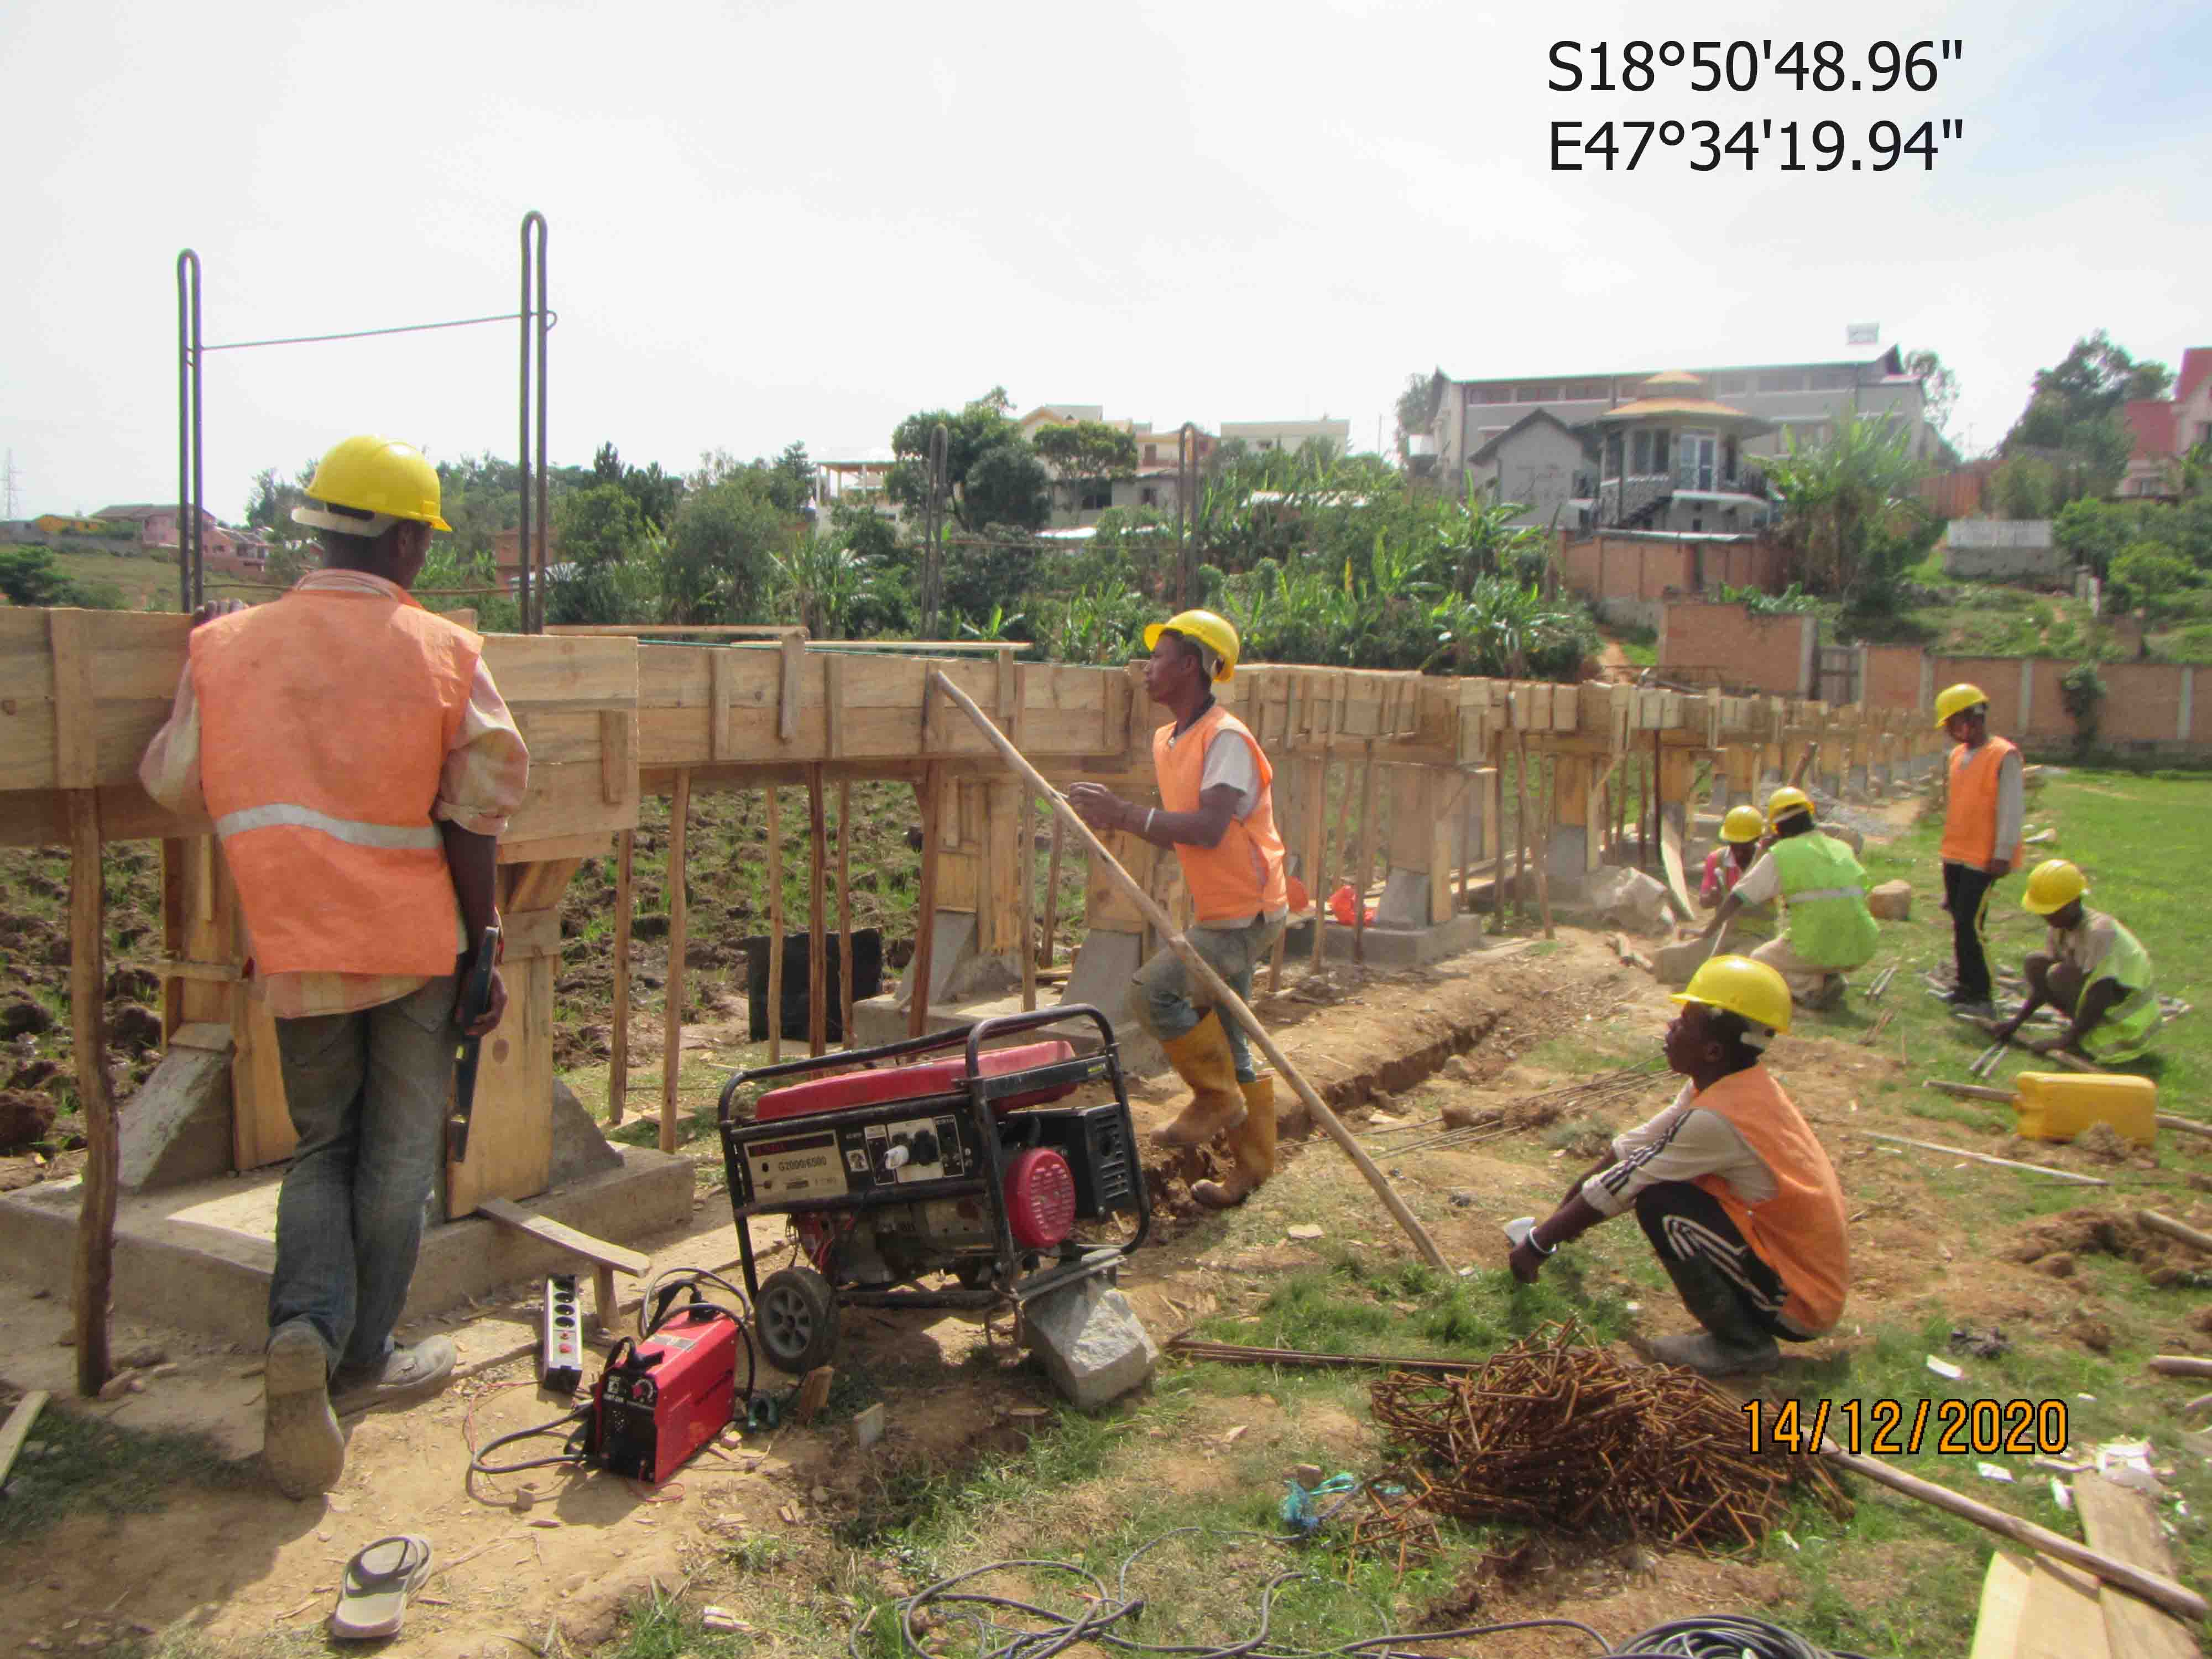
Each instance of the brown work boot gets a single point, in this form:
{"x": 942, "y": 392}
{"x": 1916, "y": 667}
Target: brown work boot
{"x": 1251, "y": 1148}
{"x": 1201, "y": 1058}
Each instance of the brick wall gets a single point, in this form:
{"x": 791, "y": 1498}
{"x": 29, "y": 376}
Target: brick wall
{"x": 1725, "y": 644}
{"x": 1892, "y": 676}
{"x": 2144, "y": 702}
{"x": 1623, "y": 568}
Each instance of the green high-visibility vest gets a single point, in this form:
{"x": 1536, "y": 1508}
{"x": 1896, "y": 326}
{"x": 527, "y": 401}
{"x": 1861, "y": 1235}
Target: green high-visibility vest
{"x": 1824, "y": 888}
{"x": 2125, "y": 1029}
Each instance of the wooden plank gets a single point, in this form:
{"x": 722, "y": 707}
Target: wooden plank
{"x": 262, "y": 1131}
{"x": 620, "y": 1257}
{"x": 2036, "y": 1609}
{"x": 529, "y": 933}
{"x": 795, "y": 659}
{"x": 672, "y": 1047}
{"x": 1051, "y": 893}
{"x": 722, "y": 670}
{"x": 545, "y": 850}
{"x": 2124, "y": 1524}
{"x": 511, "y": 1124}
{"x": 76, "y": 718}
{"x": 618, "y": 755}
{"x": 774, "y": 926}
{"x": 1366, "y": 864}
{"x": 92, "y": 1269}
{"x": 1670, "y": 858}
{"x": 817, "y": 933}
{"x": 933, "y": 817}
{"x": 833, "y": 706}
{"x": 18, "y": 1428}
{"x": 845, "y": 910}
{"x": 1025, "y": 858}
{"x": 618, "y": 1039}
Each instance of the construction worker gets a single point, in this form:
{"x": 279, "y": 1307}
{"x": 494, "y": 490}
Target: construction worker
{"x": 1741, "y": 832}
{"x": 1217, "y": 810}
{"x": 1982, "y": 825}
{"x": 2091, "y": 968}
{"x": 1820, "y": 881}
{"x": 1732, "y": 1186}
{"x": 359, "y": 766}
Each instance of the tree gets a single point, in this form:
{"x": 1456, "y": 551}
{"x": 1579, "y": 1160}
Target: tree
{"x": 721, "y": 552}
{"x": 1419, "y": 404}
{"x": 2074, "y": 411}
{"x": 1849, "y": 508}
{"x": 1938, "y": 388}
{"x": 2092, "y": 532}
{"x": 2149, "y": 576}
{"x": 1088, "y": 453}
{"x": 791, "y": 483}
{"x": 598, "y": 526}
{"x": 995, "y": 476}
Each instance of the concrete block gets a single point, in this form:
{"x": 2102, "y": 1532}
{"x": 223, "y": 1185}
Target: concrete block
{"x": 1405, "y": 902}
{"x": 958, "y": 970}
{"x": 1849, "y": 837}
{"x": 1570, "y": 856}
{"x": 1404, "y": 947}
{"x": 177, "y": 1128}
{"x": 1674, "y": 963}
{"x": 1628, "y": 898}
{"x": 1892, "y": 900}
{"x": 1093, "y": 1346}
{"x": 579, "y": 1147}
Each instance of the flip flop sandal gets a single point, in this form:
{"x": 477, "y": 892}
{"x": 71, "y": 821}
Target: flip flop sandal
{"x": 373, "y": 1600}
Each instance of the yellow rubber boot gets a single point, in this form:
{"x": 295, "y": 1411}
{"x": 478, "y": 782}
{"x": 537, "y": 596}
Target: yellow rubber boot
{"x": 1251, "y": 1148}
{"x": 1201, "y": 1058}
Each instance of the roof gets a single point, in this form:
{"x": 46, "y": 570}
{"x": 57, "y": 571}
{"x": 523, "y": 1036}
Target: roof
{"x": 1703, "y": 409}
{"x": 1489, "y": 449}
{"x": 1681, "y": 378}
{"x": 1890, "y": 358}
{"x": 2150, "y": 422}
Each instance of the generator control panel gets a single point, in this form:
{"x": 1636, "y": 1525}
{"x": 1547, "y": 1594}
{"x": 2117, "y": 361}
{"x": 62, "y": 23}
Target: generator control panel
{"x": 827, "y": 1163}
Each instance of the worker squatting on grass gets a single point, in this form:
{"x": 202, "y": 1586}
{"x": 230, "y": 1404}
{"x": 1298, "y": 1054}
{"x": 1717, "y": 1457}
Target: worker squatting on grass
{"x": 2091, "y": 968}
{"x": 1731, "y": 1184}
{"x": 1217, "y": 810}
{"x": 1986, "y": 805}
{"x": 359, "y": 765}
{"x": 1820, "y": 882}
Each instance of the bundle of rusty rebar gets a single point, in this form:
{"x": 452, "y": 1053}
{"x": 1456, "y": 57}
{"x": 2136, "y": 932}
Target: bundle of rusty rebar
{"x": 1557, "y": 1433}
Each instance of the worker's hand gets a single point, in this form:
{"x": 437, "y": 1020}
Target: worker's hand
{"x": 1097, "y": 806}
{"x": 1999, "y": 867}
{"x": 2003, "y": 1033}
{"x": 493, "y": 1011}
{"x": 214, "y": 608}
{"x": 2049, "y": 1045}
{"x": 1525, "y": 1263}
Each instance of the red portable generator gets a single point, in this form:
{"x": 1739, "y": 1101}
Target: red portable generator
{"x": 965, "y": 1168}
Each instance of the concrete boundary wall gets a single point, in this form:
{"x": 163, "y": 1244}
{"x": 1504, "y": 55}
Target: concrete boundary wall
{"x": 2152, "y": 707}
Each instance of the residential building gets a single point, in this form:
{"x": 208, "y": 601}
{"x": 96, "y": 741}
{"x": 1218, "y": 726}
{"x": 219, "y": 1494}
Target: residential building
{"x": 1542, "y": 463}
{"x": 1292, "y": 435}
{"x": 1080, "y": 501}
{"x": 234, "y": 552}
{"x": 1805, "y": 398}
{"x": 2166, "y": 428}
{"x": 1674, "y": 459}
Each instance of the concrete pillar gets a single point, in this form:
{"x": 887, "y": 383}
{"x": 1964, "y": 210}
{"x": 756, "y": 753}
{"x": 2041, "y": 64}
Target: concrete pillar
{"x": 1574, "y": 828}
{"x": 1855, "y": 782}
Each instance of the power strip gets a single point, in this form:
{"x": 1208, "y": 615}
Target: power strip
{"x": 561, "y": 1346}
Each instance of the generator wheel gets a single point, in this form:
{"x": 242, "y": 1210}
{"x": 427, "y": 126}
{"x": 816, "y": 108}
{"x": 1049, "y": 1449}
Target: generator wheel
{"x": 797, "y": 1317}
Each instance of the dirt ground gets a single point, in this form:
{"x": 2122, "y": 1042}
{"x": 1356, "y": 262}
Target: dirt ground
{"x": 516, "y": 1553}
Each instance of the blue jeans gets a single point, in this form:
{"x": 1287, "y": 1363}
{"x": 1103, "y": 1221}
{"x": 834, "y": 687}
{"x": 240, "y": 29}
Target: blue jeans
{"x": 1160, "y": 997}
{"x": 368, "y": 1092}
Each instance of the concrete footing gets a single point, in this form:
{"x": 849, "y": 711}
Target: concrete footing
{"x": 1093, "y": 1346}
{"x": 198, "y": 1256}
{"x": 178, "y": 1126}
{"x": 1398, "y": 947}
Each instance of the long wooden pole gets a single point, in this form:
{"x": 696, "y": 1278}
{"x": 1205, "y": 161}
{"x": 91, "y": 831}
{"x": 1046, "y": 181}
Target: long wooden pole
{"x": 2175, "y": 1598}
{"x": 774, "y": 926}
{"x": 817, "y": 931}
{"x": 845, "y": 911}
{"x": 93, "y": 1268}
{"x": 618, "y": 1041}
{"x": 1226, "y": 1000}
{"x": 672, "y": 1048}
{"x": 2067, "y": 1176}
{"x": 2173, "y": 1229}
{"x": 924, "y": 928}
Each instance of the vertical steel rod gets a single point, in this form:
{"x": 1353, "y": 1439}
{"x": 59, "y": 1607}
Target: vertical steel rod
{"x": 192, "y": 491}
{"x": 529, "y": 574}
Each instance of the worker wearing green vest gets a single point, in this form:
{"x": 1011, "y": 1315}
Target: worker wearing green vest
{"x": 2091, "y": 968}
{"x": 1822, "y": 883}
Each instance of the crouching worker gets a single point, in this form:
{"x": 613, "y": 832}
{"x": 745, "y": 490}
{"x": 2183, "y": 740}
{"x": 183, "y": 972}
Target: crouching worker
{"x": 1729, "y": 863}
{"x": 2091, "y": 968}
{"x": 1217, "y": 810}
{"x": 1820, "y": 882}
{"x": 1732, "y": 1187}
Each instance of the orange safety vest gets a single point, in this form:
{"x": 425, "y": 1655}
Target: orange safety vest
{"x": 325, "y": 719}
{"x": 1799, "y": 1232}
{"x": 1970, "y": 824}
{"x": 1235, "y": 881}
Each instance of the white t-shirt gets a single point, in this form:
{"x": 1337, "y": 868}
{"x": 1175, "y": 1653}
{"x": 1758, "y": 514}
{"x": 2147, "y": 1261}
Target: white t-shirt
{"x": 1230, "y": 763}
{"x": 1681, "y": 1144}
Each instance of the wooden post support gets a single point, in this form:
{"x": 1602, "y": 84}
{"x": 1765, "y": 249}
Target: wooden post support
{"x": 1547, "y": 824}
{"x": 1051, "y": 893}
{"x": 774, "y": 924}
{"x": 845, "y": 910}
{"x": 96, "y": 1220}
{"x": 924, "y": 925}
{"x": 672, "y": 1047}
{"x": 1312, "y": 805}
{"x": 1366, "y": 866}
{"x": 817, "y": 936}
{"x": 1321, "y": 861}
{"x": 1225, "y": 1000}
{"x": 618, "y": 1039}
{"x": 1025, "y": 865}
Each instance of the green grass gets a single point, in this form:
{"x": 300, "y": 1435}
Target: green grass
{"x": 89, "y": 1465}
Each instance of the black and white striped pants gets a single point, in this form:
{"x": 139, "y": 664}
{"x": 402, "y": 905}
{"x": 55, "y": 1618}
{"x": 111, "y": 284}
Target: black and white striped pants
{"x": 1684, "y": 1221}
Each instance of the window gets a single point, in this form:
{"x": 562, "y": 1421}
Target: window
{"x": 1098, "y": 496}
{"x": 1659, "y": 450}
{"x": 1792, "y": 382}
{"x": 1612, "y": 468}
{"x": 1151, "y": 453}
{"x": 1148, "y": 496}
{"x": 1728, "y": 459}
{"x": 1834, "y": 379}
{"x": 1490, "y": 394}
{"x": 1727, "y": 383}
{"x": 1583, "y": 391}
{"x": 1538, "y": 392}
{"x": 1640, "y": 452}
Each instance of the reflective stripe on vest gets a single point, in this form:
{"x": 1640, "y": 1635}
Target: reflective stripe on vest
{"x": 1800, "y": 1231}
{"x": 1235, "y": 880}
{"x": 1970, "y": 822}
{"x": 325, "y": 719}
{"x": 1824, "y": 887}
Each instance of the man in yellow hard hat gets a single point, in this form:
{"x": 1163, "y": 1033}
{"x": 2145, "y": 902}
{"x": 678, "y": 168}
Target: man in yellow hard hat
{"x": 1982, "y": 822}
{"x": 1731, "y": 1184}
{"x": 1820, "y": 882}
{"x": 359, "y": 765}
{"x": 1217, "y": 810}
{"x": 2091, "y": 968}
{"x": 1741, "y": 831}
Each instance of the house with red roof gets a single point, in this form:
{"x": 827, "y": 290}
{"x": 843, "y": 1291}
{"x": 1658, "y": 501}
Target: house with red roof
{"x": 2166, "y": 428}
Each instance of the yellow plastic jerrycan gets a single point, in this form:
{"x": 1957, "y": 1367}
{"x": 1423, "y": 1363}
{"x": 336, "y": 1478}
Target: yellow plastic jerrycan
{"x": 2059, "y": 1105}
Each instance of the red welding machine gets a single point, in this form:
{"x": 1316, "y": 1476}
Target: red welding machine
{"x": 659, "y": 1399}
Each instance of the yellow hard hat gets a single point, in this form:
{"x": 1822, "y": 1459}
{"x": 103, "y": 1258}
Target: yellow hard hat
{"x": 1737, "y": 985}
{"x": 1957, "y": 700}
{"x": 1786, "y": 800}
{"x": 2052, "y": 885}
{"x": 367, "y": 483}
{"x": 1212, "y": 632}
{"x": 1741, "y": 825}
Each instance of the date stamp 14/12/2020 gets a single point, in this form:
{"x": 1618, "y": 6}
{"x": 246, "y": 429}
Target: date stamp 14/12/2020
{"x": 1901, "y": 1428}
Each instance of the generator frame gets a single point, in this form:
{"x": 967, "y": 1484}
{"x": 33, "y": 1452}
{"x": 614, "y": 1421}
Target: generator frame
{"x": 1009, "y": 1285}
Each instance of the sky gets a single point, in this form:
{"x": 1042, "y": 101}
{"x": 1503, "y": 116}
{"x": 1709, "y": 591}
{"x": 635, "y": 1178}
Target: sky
{"x": 771, "y": 223}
